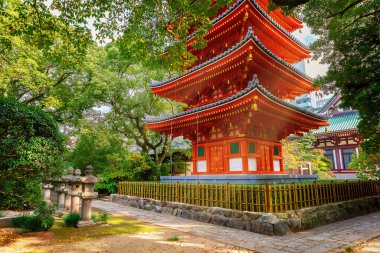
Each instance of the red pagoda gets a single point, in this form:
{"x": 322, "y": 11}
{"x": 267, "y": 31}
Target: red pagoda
{"x": 236, "y": 114}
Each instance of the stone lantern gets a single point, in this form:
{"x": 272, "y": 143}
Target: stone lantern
{"x": 88, "y": 180}
{"x": 67, "y": 179}
{"x": 76, "y": 188}
{"x": 47, "y": 186}
{"x": 61, "y": 192}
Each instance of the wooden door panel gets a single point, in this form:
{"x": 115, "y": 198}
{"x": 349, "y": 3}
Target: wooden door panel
{"x": 216, "y": 158}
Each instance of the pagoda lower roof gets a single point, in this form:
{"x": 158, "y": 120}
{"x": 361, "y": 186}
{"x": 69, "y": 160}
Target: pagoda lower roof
{"x": 298, "y": 81}
{"x": 218, "y": 23}
{"x": 306, "y": 120}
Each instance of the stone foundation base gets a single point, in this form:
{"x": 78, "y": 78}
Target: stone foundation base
{"x": 240, "y": 179}
{"x": 263, "y": 223}
{"x": 6, "y": 222}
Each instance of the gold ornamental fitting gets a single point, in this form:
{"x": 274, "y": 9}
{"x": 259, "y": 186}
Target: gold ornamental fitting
{"x": 249, "y": 58}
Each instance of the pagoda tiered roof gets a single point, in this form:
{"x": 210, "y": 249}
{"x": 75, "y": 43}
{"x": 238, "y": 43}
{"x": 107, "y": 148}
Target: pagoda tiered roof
{"x": 289, "y": 23}
{"x": 269, "y": 108}
{"x": 232, "y": 22}
{"x": 245, "y": 58}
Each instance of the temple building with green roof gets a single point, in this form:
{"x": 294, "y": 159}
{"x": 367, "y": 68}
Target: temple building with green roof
{"x": 340, "y": 139}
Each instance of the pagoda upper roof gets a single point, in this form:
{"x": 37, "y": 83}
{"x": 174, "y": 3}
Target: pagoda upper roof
{"x": 252, "y": 86}
{"x": 239, "y": 3}
{"x": 170, "y": 83}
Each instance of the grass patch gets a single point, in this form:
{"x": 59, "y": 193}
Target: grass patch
{"x": 116, "y": 226}
{"x": 349, "y": 250}
{"x": 173, "y": 239}
{"x": 100, "y": 217}
{"x": 2, "y": 214}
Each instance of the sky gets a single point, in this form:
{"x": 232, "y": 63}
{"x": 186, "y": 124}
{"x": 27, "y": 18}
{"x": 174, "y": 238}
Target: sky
{"x": 313, "y": 68}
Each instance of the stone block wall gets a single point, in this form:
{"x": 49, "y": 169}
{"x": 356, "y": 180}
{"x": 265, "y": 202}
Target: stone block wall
{"x": 263, "y": 223}
{"x": 6, "y": 222}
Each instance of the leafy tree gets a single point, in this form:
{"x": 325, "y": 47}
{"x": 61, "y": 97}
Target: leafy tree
{"x": 128, "y": 97}
{"x": 46, "y": 60}
{"x": 30, "y": 149}
{"x": 349, "y": 41}
{"x": 99, "y": 146}
{"x": 367, "y": 165}
{"x": 298, "y": 151}
{"x": 146, "y": 28}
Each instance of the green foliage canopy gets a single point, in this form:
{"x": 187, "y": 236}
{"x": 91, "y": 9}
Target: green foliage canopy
{"x": 367, "y": 165}
{"x": 30, "y": 149}
{"x": 300, "y": 150}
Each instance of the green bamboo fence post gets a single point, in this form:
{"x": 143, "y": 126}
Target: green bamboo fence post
{"x": 295, "y": 197}
{"x": 177, "y": 191}
{"x": 316, "y": 193}
{"x": 268, "y": 198}
{"x": 197, "y": 194}
{"x": 228, "y": 196}
{"x": 334, "y": 193}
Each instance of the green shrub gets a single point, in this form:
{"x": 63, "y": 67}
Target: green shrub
{"x": 20, "y": 221}
{"x": 41, "y": 219}
{"x": 71, "y": 219}
{"x": 2, "y": 214}
{"x": 30, "y": 144}
{"x": 107, "y": 186}
{"x": 102, "y": 217}
{"x": 45, "y": 213}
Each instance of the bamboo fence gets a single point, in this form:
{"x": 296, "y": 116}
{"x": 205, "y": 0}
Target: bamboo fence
{"x": 254, "y": 198}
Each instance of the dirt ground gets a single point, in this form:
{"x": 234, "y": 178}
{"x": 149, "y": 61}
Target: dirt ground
{"x": 155, "y": 241}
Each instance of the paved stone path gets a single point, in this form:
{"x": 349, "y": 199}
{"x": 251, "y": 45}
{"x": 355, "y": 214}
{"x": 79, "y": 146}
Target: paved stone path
{"x": 334, "y": 237}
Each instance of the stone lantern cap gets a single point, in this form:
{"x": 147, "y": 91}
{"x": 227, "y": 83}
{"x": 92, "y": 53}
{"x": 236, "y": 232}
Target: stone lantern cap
{"x": 48, "y": 178}
{"x": 89, "y": 178}
{"x": 77, "y": 177}
{"x": 70, "y": 176}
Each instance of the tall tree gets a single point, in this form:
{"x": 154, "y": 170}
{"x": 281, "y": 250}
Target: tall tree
{"x": 41, "y": 56}
{"x": 349, "y": 41}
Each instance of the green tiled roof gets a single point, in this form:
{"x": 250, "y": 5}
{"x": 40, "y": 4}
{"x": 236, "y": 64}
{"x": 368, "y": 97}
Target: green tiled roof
{"x": 340, "y": 122}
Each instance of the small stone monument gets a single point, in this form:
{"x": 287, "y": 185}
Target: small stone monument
{"x": 67, "y": 179}
{"x": 88, "y": 180}
{"x": 47, "y": 186}
{"x": 61, "y": 192}
{"x": 76, "y": 188}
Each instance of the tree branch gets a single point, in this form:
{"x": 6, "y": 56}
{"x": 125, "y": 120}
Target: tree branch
{"x": 59, "y": 81}
{"x": 341, "y": 13}
{"x": 289, "y": 3}
{"x": 360, "y": 17}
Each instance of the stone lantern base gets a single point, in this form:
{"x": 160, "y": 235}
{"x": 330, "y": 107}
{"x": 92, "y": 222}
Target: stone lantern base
{"x": 87, "y": 223}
